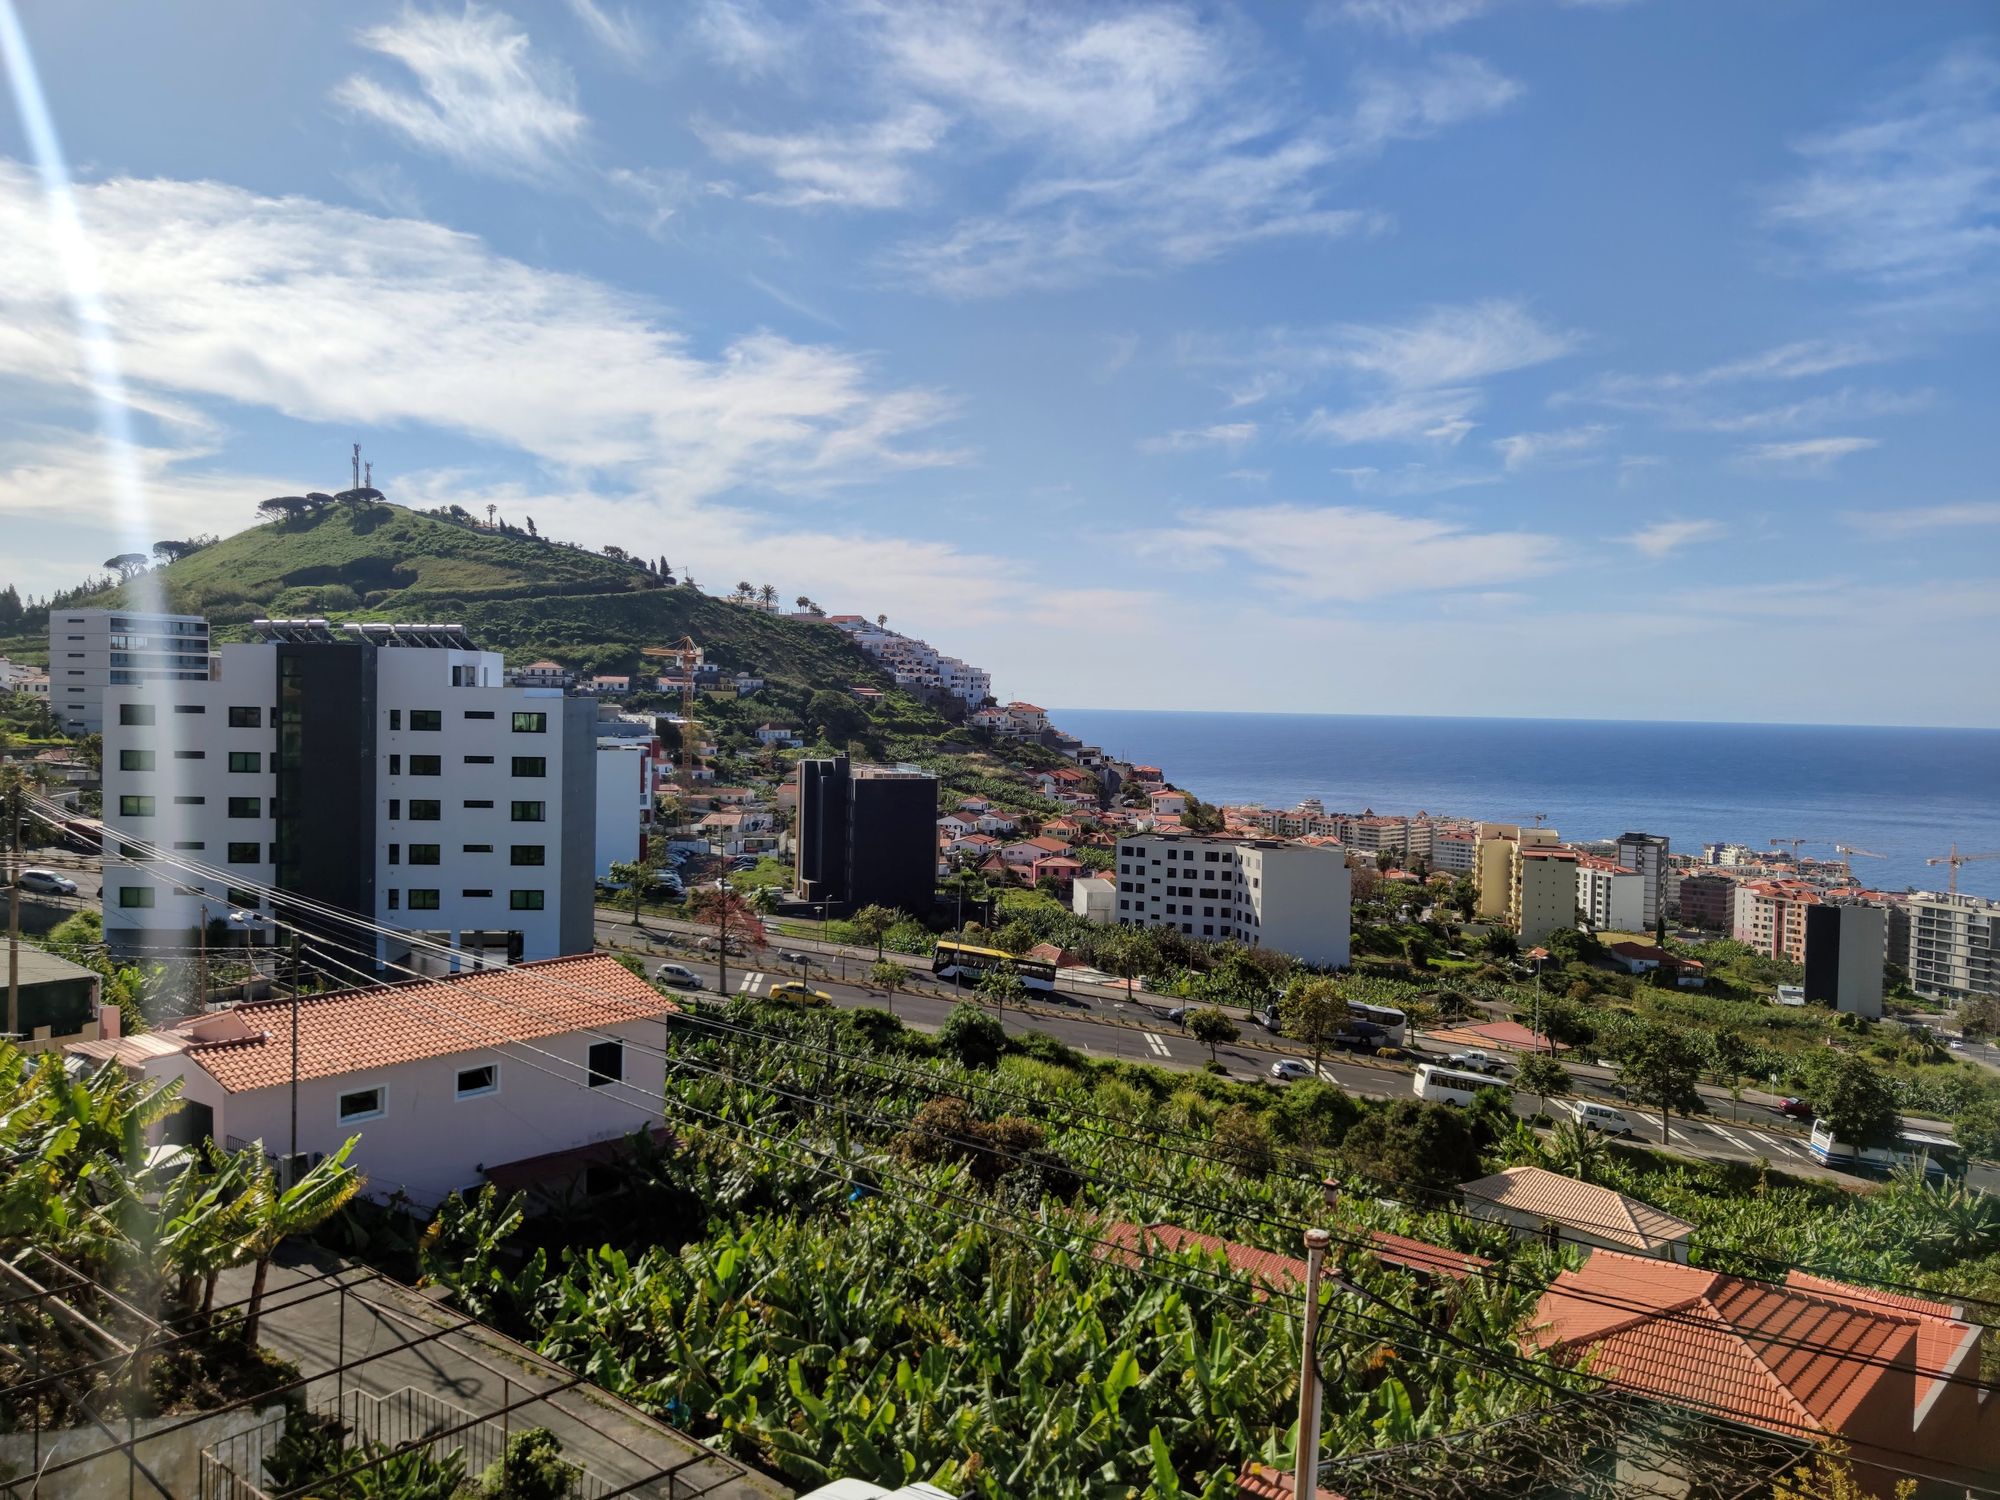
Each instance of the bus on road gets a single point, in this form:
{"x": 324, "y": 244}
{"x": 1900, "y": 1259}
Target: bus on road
{"x": 970, "y": 965}
{"x": 1394, "y": 1025}
{"x": 1938, "y": 1153}
{"x": 1443, "y": 1085}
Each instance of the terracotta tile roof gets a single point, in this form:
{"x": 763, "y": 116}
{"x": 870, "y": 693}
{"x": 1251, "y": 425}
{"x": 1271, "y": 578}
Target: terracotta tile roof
{"x": 1548, "y": 1195}
{"x": 1868, "y": 1296}
{"x": 1275, "y": 1270}
{"x": 385, "y": 1025}
{"x": 1423, "y": 1257}
{"x": 1773, "y": 1356}
{"x": 1259, "y": 1482}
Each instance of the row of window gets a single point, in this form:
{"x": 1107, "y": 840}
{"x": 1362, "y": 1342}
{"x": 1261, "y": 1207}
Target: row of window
{"x": 433, "y": 765}
{"x": 140, "y": 897}
{"x": 133, "y": 806}
{"x": 145, "y": 760}
{"x": 432, "y": 719}
{"x": 143, "y": 714}
{"x": 415, "y": 899}
{"x": 427, "y": 810}
{"x": 605, "y": 1065}
{"x": 430, "y": 854}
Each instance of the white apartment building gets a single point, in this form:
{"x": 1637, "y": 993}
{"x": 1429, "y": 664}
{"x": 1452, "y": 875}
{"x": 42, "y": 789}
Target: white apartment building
{"x": 1543, "y": 897}
{"x": 1611, "y": 897}
{"x": 624, "y": 802}
{"x": 91, "y": 650}
{"x": 1647, "y": 854}
{"x": 1264, "y": 892}
{"x": 1454, "y": 853}
{"x": 1954, "y": 945}
{"x": 383, "y": 770}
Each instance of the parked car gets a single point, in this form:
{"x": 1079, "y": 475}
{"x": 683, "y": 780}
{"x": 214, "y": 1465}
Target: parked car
{"x": 47, "y": 882}
{"x": 1796, "y": 1109}
{"x": 791, "y": 956}
{"x": 1285, "y": 1069}
{"x": 708, "y": 945}
{"x": 1592, "y": 1116}
{"x": 679, "y": 976}
{"x": 1270, "y": 1022}
{"x": 1474, "y": 1061}
{"x": 1179, "y": 1014}
{"x": 803, "y": 994}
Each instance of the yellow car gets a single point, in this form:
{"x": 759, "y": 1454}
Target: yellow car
{"x": 805, "y": 994}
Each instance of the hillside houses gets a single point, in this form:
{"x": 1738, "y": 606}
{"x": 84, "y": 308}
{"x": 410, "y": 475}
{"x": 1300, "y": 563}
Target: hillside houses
{"x": 917, "y": 664}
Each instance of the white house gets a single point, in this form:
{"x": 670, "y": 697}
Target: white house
{"x": 1093, "y": 898}
{"x": 1609, "y": 895}
{"x": 1539, "y": 1204}
{"x": 781, "y": 736}
{"x": 443, "y": 1080}
{"x": 1168, "y": 803}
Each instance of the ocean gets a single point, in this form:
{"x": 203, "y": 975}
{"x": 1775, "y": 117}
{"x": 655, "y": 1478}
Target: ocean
{"x": 1905, "y": 794}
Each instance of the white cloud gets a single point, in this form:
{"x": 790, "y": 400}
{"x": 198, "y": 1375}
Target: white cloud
{"x": 1405, "y": 106}
{"x": 1411, "y": 416}
{"x": 1411, "y": 19}
{"x": 1912, "y": 191}
{"x": 1229, "y": 435}
{"x": 741, "y": 34}
{"x": 617, "y": 31}
{"x": 1663, "y": 538}
{"x": 1347, "y": 554}
{"x": 1414, "y": 479}
{"x": 1845, "y": 405}
{"x": 1810, "y": 456}
{"x": 483, "y": 98}
{"x": 1524, "y": 449}
{"x": 1926, "y": 518}
{"x": 864, "y": 167}
{"x": 330, "y": 315}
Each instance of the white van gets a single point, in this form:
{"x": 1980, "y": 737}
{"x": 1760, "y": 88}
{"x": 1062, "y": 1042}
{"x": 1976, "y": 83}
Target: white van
{"x": 1448, "y": 1086}
{"x": 1600, "y": 1117}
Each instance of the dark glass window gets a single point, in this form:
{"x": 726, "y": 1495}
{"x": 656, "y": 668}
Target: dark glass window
{"x": 423, "y": 900}
{"x": 246, "y": 807}
{"x": 531, "y": 765}
{"x": 479, "y": 713}
{"x": 527, "y": 854}
{"x": 530, "y": 812}
{"x": 607, "y": 1063}
{"x": 245, "y": 854}
{"x": 479, "y": 760}
{"x": 135, "y": 895}
{"x": 135, "y": 807}
{"x": 135, "y": 713}
{"x": 245, "y": 718}
{"x": 524, "y": 900}
{"x": 426, "y": 718}
{"x": 422, "y": 811}
{"x": 426, "y": 765}
{"x": 425, "y": 854}
{"x": 135, "y": 760}
{"x": 531, "y": 723}
{"x": 395, "y": 718}
{"x": 246, "y": 760}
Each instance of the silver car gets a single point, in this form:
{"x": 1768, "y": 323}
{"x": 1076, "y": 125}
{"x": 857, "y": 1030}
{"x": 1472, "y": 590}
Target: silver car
{"x": 48, "y": 882}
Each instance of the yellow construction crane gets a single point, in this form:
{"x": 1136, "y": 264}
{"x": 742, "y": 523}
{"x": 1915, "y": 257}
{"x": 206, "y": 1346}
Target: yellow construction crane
{"x": 1865, "y": 853}
{"x": 1955, "y": 859}
{"x": 1793, "y": 845}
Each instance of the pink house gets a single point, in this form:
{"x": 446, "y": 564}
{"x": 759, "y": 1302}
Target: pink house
{"x": 1168, "y": 803}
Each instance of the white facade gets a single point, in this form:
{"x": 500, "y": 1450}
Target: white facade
{"x": 1954, "y": 945}
{"x": 1610, "y": 897}
{"x": 624, "y": 803}
{"x": 1454, "y": 853}
{"x": 1646, "y": 853}
{"x": 1264, "y": 892}
{"x": 1094, "y": 898}
{"x": 915, "y": 663}
{"x": 474, "y": 800}
{"x": 92, "y": 650}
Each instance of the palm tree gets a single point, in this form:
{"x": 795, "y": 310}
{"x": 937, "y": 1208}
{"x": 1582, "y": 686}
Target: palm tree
{"x": 767, "y": 595}
{"x": 1576, "y": 1152}
{"x": 744, "y": 590}
{"x": 882, "y": 622}
{"x": 271, "y": 1215}
{"x": 803, "y": 603}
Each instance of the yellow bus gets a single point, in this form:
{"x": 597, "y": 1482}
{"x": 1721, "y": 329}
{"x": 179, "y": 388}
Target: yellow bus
{"x": 972, "y": 964}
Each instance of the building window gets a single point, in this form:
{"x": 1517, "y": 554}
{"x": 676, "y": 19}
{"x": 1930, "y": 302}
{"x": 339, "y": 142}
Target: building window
{"x": 422, "y": 811}
{"x": 607, "y": 1063}
{"x": 130, "y": 896}
{"x": 395, "y": 765}
{"x": 479, "y": 713}
{"x": 135, "y": 713}
{"x": 249, "y": 899}
{"x": 246, "y": 760}
{"x": 136, "y": 807}
{"x": 526, "y": 854}
{"x": 395, "y": 854}
{"x": 135, "y": 760}
{"x": 530, "y": 812}
{"x": 395, "y": 808}
{"x": 395, "y": 718}
{"x": 531, "y": 723}
{"x": 363, "y": 1104}
{"x": 476, "y": 895}
{"x": 189, "y": 708}
{"x": 478, "y": 849}
{"x": 246, "y": 807}
{"x": 245, "y": 854}
{"x": 484, "y": 1079}
{"x": 524, "y": 901}
{"x": 132, "y": 851}
{"x": 426, "y": 765}
{"x": 425, "y": 854}
{"x": 479, "y": 760}
{"x": 395, "y": 899}
{"x": 423, "y": 900}
{"x": 531, "y": 765}
{"x": 427, "y": 718}
{"x": 190, "y": 755}
{"x": 192, "y": 844}
{"x": 245, "y": 718}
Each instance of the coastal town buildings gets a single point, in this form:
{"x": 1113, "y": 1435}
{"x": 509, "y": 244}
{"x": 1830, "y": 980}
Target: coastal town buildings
{"x": 1264, "y": 892}
{"x": 1610, "y": 896}
{"x": 383, "y": 770}
{"x": 1770, "y": 917}
{"x": 1647, "y": 853}
{"x": 1544, "y": 891}
{"x": 1707, "y": 901}
{"x": 1844, "y": 948}
{"x": 917, "y": 664}
{"x": 1954, "y": 945}
{"x": 92, "y": 650}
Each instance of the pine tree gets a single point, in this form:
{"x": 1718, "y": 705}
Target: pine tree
{"x": 10, "y": 608}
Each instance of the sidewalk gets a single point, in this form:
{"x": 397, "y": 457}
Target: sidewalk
{"x": 479, "y": 1370}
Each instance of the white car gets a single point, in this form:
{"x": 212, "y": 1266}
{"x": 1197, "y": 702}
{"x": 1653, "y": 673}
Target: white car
{"x": 1601, "y": 1117}
{"x": 47, "y": 882}
{"x": 1474, "y": 1061}
{"x": 1285, "y": 1069}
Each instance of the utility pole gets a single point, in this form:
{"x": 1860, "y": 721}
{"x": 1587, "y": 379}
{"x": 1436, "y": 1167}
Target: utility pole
{"x": 721, "y": 928}
{"x": 1305, "y": 1475}
{"x": 14, "y": 910}
{"x": 292, "y": 1163}
{"x": 201, "y": 959}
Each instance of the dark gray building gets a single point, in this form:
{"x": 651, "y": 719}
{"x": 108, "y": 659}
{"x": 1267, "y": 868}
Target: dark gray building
{"x": 867, "y": 836}
{"x": 1845, "y": 946}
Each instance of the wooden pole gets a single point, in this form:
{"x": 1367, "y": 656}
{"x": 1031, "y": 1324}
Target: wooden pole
{"x": 1305, "y": 1474}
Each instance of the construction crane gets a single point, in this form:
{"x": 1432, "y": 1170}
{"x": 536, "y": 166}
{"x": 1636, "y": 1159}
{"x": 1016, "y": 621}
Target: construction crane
{"x": 1955, "y": 859}
{"x": 1864, "y": 853}
{"x": 1540, "y": 819}
{"x": 1793, "y": 845}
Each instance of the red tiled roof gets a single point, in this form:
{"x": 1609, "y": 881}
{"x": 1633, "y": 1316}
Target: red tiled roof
{"x": 1258, "y": 1482}
{"x": 385, "y": 1025}
{"x": 1423, "y": 1257}
{"x": 1546, "y": 1195}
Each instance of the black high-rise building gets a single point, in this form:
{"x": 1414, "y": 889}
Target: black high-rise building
{"x": 867, "y": 836}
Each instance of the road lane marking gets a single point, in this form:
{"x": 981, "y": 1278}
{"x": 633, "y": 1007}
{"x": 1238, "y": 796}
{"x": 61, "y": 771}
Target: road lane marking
{"x": 1158, "y": 1043}
{"x": 1784, "y": 1147}
{"x": 750, "y": 984}
{"x": 1326, "y": 1076}
{"x": 1735, "y": 1140}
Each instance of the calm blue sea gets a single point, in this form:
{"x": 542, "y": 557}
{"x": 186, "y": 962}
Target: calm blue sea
{"x": 1905, "y": 793}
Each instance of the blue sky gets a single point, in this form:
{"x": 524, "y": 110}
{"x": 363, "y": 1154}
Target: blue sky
{"x": 1415, "y": 356}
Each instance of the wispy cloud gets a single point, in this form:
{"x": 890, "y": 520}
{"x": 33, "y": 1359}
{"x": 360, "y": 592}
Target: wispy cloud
{"x": 1227, "y": 435}
{"x": 617, "y": 31}
{"x": 1914, "y": 519}
{"x": 482, "y": 97}
{"x": 1809, "y": 456}
{"x": 1663, "y": 538}
{"x": 1414, "y": 479}
{"x": 1344, "y": 553}
{"x": 1411, "y": 416}
{"x": 1911, "y": 191}
{"x": 1525, "y": 449}
{"x": 866, "y": 166}
{"x": 1411, "y": 19}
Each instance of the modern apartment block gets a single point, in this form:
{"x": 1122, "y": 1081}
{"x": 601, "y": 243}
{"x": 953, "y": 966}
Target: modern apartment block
{"x": 1265, "y": 892}
{"x": 383, "y": 770}
{"x": 1647, "y": 854}
{"x": 1497, "y": 847}
{"x": 1845, "y": 945}
{"x": 1954, "y": 945}
{"x": 91, "y": 650}
{"x": 1770, "y": 916}
{"x": 1543, "y": 896}
{"x": 626, "y": 771}
{"x": 867, "y": 836}
{"x": 1708, "y": 901}
{"x": 1610, "y": 896}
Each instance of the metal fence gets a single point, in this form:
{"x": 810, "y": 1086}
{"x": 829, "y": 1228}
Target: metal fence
{"x": 233, "y": 1469}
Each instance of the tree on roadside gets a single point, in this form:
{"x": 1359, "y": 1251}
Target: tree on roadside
{"x": 1542, "y": 1076}
{"x": 1979, "y": 1015}
{"x": 1211, "y": 1026}
{"x": 888, "y": 976}
{"x": 633, "y": 876}
{"x": 1662, "y": 1066}
{"x": 1001, "y": 986}
{"x": 1123, "y": 956}
{"x": 873, "y": 923}
{"x": 1312, "y": 1013}
{"x": 1851, "y": 1096}
{"x": 972, "y": 1035}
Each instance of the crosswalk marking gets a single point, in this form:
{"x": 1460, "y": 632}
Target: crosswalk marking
{"x": 1327, "y": 1077}
{"x": 750, "y": 984}
{"x": 1158, "y": 1043}
{"x": 1784, "y": 1147}
{"x": 1734, "y": 1140}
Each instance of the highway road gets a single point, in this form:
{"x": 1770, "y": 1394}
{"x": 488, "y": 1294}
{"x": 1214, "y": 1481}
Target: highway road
{"x": 1110, "y": 1027}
